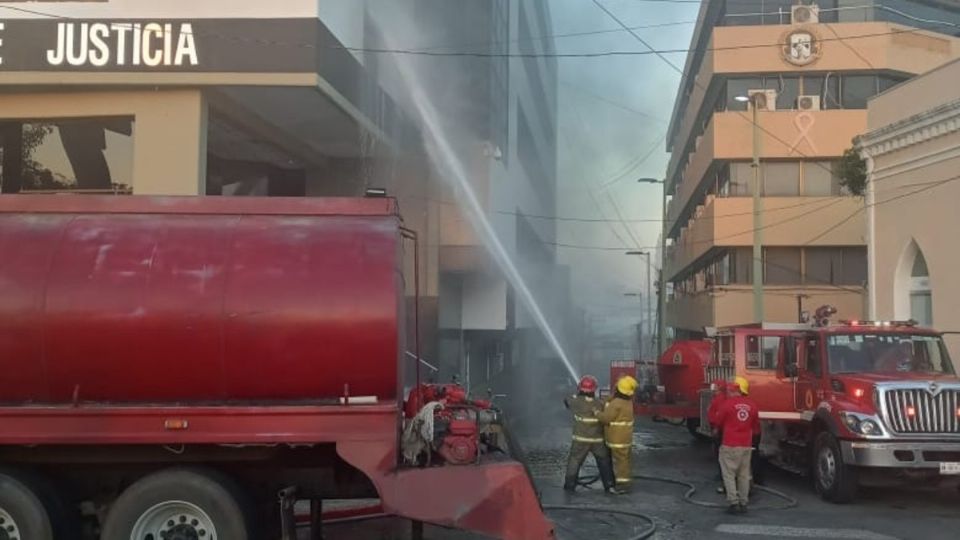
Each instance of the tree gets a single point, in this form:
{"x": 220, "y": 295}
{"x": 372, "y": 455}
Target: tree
{"x": 853, "y": 172}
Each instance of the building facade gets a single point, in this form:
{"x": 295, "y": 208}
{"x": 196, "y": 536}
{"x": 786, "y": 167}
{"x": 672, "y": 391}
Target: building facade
{"x": 913, "y": 153}
{"x": 304, "y": 98}
{"x": 809, "y": 70}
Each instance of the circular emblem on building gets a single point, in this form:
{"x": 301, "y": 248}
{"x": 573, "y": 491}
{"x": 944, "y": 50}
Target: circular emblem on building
{"x": 801, "y": 47}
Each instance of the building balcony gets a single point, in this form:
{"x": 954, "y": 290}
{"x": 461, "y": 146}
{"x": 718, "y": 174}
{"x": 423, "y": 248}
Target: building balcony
{"x": 845, "y": 47}
{"x": 733, "y": 304}
{"x": 787, "y": 221}
{"x": 785, "y": 135}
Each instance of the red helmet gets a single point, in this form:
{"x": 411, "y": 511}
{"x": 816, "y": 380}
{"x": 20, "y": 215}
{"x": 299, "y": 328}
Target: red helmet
{"x": 588, "y": 384}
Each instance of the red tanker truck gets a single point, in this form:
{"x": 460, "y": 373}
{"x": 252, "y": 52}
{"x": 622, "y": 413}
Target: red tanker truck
{"x": 858, "y": 401}
{"x": 173, "y": 368}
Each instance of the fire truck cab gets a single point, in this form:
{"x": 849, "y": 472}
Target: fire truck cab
{"x": 846, "y": 400}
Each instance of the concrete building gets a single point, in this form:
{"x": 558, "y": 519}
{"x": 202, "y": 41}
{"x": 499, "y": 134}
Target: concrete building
{"x": 299, "y": 98}
{"x": 814, "y": 68}
{"x": 913, "y": 153}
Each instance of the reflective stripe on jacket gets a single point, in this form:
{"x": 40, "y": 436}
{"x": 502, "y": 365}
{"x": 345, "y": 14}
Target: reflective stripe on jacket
{"x": 586, "y": 426}
{"x": 617, "y": 417}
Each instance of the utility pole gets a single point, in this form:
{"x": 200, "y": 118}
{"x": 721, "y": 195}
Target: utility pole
{"x": 755, "y": 100}
{"x": 662, "y": 277}
{"x": 647, "y": 310}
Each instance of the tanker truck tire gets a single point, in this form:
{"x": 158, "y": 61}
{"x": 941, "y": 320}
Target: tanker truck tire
{"x": 180, "y": 503}
{"x": 23, "y": 515}
{"x": 834, "y": 480}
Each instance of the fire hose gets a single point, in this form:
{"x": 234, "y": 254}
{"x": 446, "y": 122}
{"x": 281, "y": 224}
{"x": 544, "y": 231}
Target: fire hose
{"x": 691, "y": 489}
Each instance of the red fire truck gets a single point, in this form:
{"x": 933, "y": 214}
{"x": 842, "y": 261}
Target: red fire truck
{"x": 173, "y": 366}
{"x": 846, "y": 402}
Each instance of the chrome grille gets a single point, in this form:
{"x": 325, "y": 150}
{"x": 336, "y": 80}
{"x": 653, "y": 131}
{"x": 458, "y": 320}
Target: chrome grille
{"x": 933, "y": 411}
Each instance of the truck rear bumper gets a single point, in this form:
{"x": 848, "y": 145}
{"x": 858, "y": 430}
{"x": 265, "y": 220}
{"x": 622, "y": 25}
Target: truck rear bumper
{"x": 913, "y": 455}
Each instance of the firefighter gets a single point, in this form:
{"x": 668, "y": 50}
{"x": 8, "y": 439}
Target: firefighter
{"x": 617, "y": 419}
{"x": 587, "y": 436}
{"x": 739, "y": 418}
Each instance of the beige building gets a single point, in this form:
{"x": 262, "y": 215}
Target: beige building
{"x": 913, "y": 154}
{"x": 810, "y": 71}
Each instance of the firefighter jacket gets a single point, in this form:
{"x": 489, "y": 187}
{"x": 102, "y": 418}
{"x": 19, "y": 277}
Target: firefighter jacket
{"x": 586, "y": 427}
{"x": 617, "y": 419}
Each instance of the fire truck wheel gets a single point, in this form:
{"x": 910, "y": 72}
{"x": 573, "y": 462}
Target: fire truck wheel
{"x": 22, "y": 514}
{"x": 180, "y": 503}
{"x": 834, "y": 480}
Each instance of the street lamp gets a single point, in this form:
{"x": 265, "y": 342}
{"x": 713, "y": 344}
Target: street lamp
{"x": 755, "y": 100}
{"x": 647, "y": 314}
{"x": 662, "y": 278}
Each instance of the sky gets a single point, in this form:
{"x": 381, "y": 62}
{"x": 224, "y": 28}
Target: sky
{"x": 614, "y": 112}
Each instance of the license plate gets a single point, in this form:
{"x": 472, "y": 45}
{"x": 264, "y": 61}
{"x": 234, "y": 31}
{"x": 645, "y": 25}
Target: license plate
{"x": 949, "y": 467}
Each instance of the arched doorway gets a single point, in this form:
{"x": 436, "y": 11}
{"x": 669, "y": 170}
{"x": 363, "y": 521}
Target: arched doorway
{"x": 921, "y": 297}
{"x": 913, "y": 294}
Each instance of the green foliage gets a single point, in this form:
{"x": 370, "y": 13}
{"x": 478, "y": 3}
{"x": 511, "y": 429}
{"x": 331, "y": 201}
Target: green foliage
{"x": 853, "y": 172}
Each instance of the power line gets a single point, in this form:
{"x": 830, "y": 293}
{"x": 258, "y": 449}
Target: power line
{"x": 616, "y": 104}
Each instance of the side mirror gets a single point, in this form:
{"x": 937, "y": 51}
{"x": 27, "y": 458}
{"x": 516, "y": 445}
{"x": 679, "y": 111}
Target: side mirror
{"x": 790, "y": 370}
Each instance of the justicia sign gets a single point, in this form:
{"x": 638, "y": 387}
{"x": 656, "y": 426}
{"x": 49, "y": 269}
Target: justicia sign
{"x": 122, "y": 43}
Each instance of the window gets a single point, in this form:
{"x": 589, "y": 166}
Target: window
{"x": 828, "y": 88}
{"x": 820, "y": 179}
{"x": 763, "y": 352}
{"x": 854, "y": 270}
{"x": 781, "y": 178}
{"x": 74, "y": 154}
{"x": 787, "y": 87}
{"x": 782, "y": 266}
{"x": 857, "y": 89}
{"x": 740, "y": 181}
{"x": 835, "y": 266}
{"x": 814, "y": 362}
{"x": 743, "y": 13}
{"x": 738, "y": 88}
{"x": 741, "y": 266}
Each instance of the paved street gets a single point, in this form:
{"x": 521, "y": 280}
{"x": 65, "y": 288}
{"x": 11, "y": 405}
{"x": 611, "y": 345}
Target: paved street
{"x": 880, "y": 513}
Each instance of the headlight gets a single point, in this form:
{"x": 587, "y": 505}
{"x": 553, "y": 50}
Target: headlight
{"x": 869, "y": 427}
{"x": 862, "y": 424}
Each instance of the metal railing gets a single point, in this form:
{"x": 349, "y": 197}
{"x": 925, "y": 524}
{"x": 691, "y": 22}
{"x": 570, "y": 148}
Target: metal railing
{"x": 712, "y": 374}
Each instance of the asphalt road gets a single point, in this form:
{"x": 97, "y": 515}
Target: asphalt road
{"x": 895, "y": 512}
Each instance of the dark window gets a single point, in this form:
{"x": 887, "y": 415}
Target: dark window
{"x": 820, "y": 179}
{"x": 828, "y": 88}
{"x": 854, "y": 271}
{"x": 782, "y": 266}
{"x": 835, "y": 265}
{"x": 889, "y": 81}
{"x": 741, "y": 266}
{"x": 62, "y": 155}
{"x": 740, "y": 181}
{"x": 814, "y": 362}
{"x": 763, "y": 352}
{"x": 787, "y": 87}
{"x": 743, "y": 12}
{"x": 857, "y": 89}
{"x": 740, "y": 87}
{"x": 781, "y": 178}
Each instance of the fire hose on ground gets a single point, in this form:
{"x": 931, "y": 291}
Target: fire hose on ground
{"x": 791, "y": 502}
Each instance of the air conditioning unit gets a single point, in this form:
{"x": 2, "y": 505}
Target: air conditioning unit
{"x": 764, "y": 99}
{"x": 805, "y": 14}
{"x": 808, "y": 103}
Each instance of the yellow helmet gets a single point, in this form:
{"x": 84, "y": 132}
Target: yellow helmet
{"x": 743, "y": 384}
{"x": 627, "y": 385}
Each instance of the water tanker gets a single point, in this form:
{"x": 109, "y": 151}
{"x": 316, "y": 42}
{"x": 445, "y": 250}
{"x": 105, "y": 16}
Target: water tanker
{"x": 173, "y": 365}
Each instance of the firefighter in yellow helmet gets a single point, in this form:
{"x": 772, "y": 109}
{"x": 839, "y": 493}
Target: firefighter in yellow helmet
{"x": 617, "y": 418}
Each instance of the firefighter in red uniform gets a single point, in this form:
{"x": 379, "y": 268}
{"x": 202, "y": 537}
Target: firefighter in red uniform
{"x": 739, "y": 418}
{"x": 587, "y": 436}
